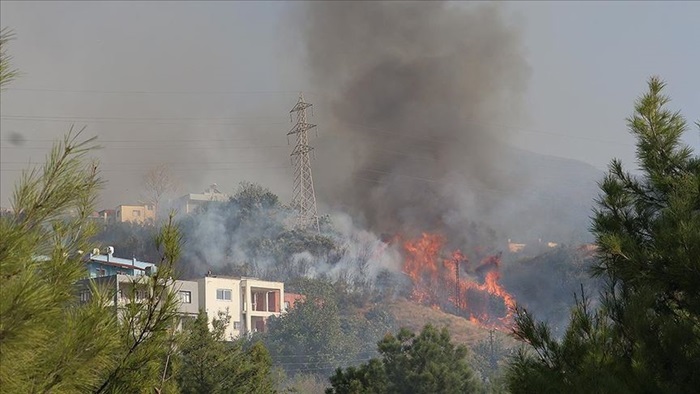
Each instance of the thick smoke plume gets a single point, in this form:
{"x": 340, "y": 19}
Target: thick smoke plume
{"x": 413, "y": 89}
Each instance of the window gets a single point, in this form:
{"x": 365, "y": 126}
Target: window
{"x": 100, "y": 271}
{"x": 136, "y": 212}
{"x": 223, "y": 294}
{"x": 236, "y": 325}
{"x": 85, "y": 296}
{"x": 186, "y": 297}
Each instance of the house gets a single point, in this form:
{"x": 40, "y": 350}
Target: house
{"x": 190, "y": 202}
{"x": 107, "y": 264}
{"x": 127, "y": 288}
{"x": 249, "y": 302}
{"x": 134, "y": 213}
{"x": 290, "y": 299}
{"x": 106, "y": 215}
{"x": 127, "y": 278}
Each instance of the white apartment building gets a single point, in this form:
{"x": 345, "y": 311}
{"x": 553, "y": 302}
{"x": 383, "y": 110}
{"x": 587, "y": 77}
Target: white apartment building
{"x": 248, "y": 301}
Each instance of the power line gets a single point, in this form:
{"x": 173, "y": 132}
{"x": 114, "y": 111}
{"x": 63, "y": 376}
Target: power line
{"x": 177, "y": 169}
{"x": 176, "y": 121}
{"x": 166, "y": 146}
{"x": 232, "y": 121}
{"x": 105, "y": 163}
{"x": 192, "y": 92}
{"x": 134, "y": 118}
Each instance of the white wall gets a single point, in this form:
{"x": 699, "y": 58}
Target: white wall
{"x": 208, "y": 301}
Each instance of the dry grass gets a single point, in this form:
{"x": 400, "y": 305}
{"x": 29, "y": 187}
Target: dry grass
{"x": 413, "y": 316}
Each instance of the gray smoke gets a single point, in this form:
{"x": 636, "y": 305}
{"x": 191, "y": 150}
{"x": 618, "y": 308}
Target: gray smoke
{"x": 414, "y": 89}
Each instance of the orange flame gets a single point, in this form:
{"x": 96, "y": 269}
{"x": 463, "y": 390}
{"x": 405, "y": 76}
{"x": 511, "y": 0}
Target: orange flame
{"x": 444, "y": 283}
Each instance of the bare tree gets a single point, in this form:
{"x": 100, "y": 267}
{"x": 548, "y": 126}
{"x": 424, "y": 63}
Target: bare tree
{"x": 157, "y": 182}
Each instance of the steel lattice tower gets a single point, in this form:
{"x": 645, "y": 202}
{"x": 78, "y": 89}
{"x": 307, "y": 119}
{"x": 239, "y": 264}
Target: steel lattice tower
{"x": 304, "y": 198}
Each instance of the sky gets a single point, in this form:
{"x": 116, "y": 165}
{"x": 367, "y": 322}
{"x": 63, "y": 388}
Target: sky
{"x": 206, "y": 87}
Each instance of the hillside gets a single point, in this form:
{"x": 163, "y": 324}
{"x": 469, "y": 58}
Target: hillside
{"x": 414, "y": 316}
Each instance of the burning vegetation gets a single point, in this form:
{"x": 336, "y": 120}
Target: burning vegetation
{"x": 449, "y": 281}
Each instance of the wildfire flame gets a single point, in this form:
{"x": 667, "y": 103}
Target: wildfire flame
{"x": 450, "y": 284}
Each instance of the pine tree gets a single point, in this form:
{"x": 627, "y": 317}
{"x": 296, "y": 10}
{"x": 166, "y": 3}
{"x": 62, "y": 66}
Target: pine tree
{"x": 210, "y": 365}
{"x": 7, "y": 73}
{"x": 645, "y": 336}
{"x": 426, "y": 363}
{"x": 48, "y": 342}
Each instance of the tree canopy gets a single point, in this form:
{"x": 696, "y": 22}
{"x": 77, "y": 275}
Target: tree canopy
{"x": 425, "y": 363}
{"x": 645, "y": 336}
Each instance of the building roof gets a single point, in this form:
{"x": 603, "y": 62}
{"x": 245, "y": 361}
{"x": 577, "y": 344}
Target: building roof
{"x": 120, "y": 262}
{"x": 206, "y": 197}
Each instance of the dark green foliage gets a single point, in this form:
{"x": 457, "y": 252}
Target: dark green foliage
{"x": 147, "y": 324}
{"x": 312, "y": 336}
{"x": 427, "y": 363}
{"x": 209, "y": 365}
{"x": 645, "y": 336}
{"x": 48, "y": 342}
{"x": 489, "y": 357}
{"x": 323, "y": 331}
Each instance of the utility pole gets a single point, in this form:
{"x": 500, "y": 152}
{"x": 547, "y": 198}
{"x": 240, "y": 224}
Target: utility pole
{"x": 458, "y": 258}
{"x": 304, "y": 197}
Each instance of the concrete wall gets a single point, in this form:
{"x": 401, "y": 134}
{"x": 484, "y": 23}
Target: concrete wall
{"x": 208, "y": 301}
{"x": 268, "y": 302}
{"x": 191, "y": 308}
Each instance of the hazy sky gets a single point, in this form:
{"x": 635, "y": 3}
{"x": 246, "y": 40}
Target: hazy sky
{"x": 206, "y": 87}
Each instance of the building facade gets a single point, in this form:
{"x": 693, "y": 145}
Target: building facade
{"x": 107, "y": 264}
{"x": 248, "y": 302}
{"x": 190, "y": 202}
{"x": 135, "y": 213}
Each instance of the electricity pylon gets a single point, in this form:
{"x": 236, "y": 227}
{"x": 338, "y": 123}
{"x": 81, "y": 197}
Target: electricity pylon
{"x": 304, "y": 198}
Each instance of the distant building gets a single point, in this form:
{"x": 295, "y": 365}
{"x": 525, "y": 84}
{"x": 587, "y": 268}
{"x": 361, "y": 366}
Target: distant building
{"x": 107, "y": 264}
{"x": 248, "y": 302}
{"x": 515, "y": 247}
{"x": 106, "y": 215}
{"x": 190, "y": 202}
{"x": 290, "y": 299}
{"x": 134, "y": 213}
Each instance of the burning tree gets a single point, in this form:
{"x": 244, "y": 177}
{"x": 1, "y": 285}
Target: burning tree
{"x": 451, "y": 284}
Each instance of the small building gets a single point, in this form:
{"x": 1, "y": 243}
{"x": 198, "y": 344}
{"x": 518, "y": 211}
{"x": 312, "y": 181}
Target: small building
{"x": 290, "y": 299}
{"x": 107, "y": 264}
{"x": 140, "y": 214}
{"x": 248, "y": 302}
{"x": 106, "y": 215}
{"x": 190, "y": 202}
